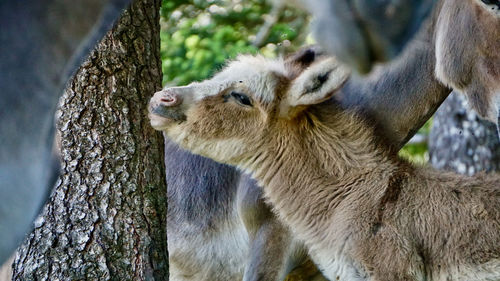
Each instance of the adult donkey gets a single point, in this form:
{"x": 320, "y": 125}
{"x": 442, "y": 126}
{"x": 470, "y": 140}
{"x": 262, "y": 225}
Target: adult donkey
{"x": 363, "y": 32}
{"x": 468, "y": 53}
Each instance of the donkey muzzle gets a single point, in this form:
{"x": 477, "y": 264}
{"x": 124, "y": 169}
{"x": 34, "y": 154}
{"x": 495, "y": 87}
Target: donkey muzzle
{"x": 164, "y": 108}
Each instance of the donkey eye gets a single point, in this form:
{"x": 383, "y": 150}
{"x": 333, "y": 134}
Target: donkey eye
{"x": 241, "y": 98}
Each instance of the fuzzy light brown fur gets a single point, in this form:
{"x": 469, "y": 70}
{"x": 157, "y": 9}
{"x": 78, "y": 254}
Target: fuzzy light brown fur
{"x": 363, "y": 213}
{"x": 350, "y": 199}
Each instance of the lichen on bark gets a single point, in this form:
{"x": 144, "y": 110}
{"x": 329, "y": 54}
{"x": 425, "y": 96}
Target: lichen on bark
{"x": 106, "y": 218}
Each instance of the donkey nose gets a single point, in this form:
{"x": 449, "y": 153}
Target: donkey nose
{"x": 168, "y": 98}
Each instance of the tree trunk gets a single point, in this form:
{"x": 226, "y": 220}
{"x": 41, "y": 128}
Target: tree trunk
{"x": 460, "y": 141}
{"x": 106, "y": 219}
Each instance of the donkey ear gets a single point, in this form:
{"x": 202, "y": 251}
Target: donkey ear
{"x": 300, "y": 60}
{"x": 317, "y": 83}
{"x": 305, "y": 56}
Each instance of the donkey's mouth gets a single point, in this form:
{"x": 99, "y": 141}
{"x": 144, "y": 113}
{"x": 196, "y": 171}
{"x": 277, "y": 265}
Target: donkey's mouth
{"x": 165, "y": 107}
{"x": 173, "y": 113}
{"x": 162, "y": 116}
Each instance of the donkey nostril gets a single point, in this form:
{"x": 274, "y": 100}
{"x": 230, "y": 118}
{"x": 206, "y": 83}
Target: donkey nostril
{"x": 168, "y": 99}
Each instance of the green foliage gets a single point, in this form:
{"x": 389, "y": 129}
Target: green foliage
{"x": 415, "y": 153}
{"x": 418, "y": 152}
{"x": 197, "y": 36}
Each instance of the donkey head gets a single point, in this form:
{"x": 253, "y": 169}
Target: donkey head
{"x": 227, "y": 117}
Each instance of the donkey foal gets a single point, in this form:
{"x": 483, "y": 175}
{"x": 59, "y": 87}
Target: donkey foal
{"x": 363, "y": 213}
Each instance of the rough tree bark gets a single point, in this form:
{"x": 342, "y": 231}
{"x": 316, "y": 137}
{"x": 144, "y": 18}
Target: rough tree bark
{"x": 460, "y": 141}
{"x": 106, "y": 219}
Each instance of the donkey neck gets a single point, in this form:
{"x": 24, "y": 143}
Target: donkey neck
{"x": 309, "y": 169}
{"x": 332, "y": 142}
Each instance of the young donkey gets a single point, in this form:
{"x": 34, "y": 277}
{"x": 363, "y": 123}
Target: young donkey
{"x": 363, "y": 213}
